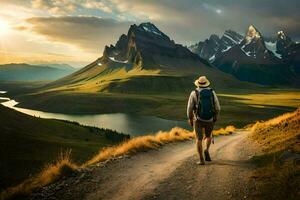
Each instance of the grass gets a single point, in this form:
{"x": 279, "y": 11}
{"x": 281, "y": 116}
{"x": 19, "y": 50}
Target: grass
{"x": 279, "y": 133}
{"x": 277, "y": 178}
{"x": 31, "y": 142}
{"x": 147, "y": 142}
{"x": 49, "y": 174}
{"x": 141, "y": 143}
{"x": 285, "y": 98}
{"x": 65, "y": 166}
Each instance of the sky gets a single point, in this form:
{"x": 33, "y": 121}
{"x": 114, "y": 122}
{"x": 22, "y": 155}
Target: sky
{"x": 76, "y": 31}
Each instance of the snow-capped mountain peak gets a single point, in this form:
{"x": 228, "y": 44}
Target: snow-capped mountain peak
{"x": 281, "y": 35}
{"x": 252, "y": 33}
{"x": 151, "y": 28}
{"x": 212, "y": 47}
{"x": 233, "y": 36}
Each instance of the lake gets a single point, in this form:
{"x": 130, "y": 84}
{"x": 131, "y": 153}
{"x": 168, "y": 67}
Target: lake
{"x": 131, "y": 124}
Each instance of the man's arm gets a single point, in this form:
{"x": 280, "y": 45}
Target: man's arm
{"x": 217, "y": 104}
{"x": 190, "y": 107}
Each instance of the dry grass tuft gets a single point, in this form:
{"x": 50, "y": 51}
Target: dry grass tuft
{"x": 52, "y": 172}
{"x": 144, "y": 143}
{"x": 278, "y": 133}
{"x": 224, "y": 131}
{"x": 279, "y": 179}
{"x": 141, "y": 143}
{"x": 287, "y": 178}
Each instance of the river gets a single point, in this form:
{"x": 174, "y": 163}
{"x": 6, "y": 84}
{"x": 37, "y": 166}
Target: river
{"x": 131, "y": 124}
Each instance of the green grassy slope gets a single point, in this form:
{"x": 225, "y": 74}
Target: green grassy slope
{"x": 28, "y": 143}
{"x": 116, "y": 77}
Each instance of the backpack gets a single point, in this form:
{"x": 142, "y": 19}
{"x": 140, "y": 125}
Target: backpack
{"x": 206, "y": 105}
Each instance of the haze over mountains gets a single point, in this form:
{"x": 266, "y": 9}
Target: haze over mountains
{"x": 27, "y": 72}
{"x": 252, "y": 57}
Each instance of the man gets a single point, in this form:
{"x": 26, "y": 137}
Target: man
{"x": 202, "y": 110}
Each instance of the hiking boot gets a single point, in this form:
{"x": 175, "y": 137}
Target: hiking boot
{"x": 201, "y": 162}
{"x": 207, "y": 156}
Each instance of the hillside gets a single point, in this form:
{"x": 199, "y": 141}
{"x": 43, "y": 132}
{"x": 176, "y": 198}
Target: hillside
{"x": 280, "y": 133}
{"x": 62, "y": 66}
{"x": 26, "y": 72}
{"x": 278, "y": 173}
{"x": 33, "y": 142}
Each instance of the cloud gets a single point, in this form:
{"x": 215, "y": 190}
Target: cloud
{"x": 200, "y": 17}
{"x": 92, "y": 4}
{"x": 205, "y": 17}
{"x": 88, "y": 33}
{"x": 66, "y": 7}
{"x": 55, "y": 6}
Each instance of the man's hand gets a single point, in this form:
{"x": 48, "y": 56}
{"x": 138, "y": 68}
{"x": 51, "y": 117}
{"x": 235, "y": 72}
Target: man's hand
{"x": 191, "y": 122}
{"x": 215, "y": 118}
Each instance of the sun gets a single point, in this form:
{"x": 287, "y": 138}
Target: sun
{"x": 4, "y": 27}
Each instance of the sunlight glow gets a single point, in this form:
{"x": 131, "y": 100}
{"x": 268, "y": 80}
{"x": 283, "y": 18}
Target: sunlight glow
{"x": 219, "y": 11}
{"x": 4, "y": 27}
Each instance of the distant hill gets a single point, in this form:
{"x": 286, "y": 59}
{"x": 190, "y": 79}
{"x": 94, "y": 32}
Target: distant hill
{"x": 145, "y": 60}
{"x": 28, "y": 143}
{"x": 26, "y": 72}
{"x": 63, "y": 66}
{"x": 252, "y": 57}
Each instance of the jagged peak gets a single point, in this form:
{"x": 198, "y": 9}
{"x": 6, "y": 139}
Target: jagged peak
{"x": 252, "y": 33}
{"x": 149, "y": 27}
{"x": 281, "y": 35}
{"x": 229, "y": 31}
{"x": 214, "y": 37}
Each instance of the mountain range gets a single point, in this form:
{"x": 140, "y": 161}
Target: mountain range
{"x": 253, "y": 58}
{"x": 28, "y": 72}
{"x": 143, "y": 60}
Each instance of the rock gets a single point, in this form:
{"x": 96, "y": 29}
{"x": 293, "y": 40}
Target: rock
{"x": 82, "y": 176}
{"x": 289, "y": 156}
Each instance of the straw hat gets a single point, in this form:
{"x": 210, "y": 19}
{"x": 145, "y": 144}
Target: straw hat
{"x": 202, "y": 81}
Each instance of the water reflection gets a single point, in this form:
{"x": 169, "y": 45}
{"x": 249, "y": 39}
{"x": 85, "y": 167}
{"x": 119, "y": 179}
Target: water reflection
{"x": 127, "y": 123}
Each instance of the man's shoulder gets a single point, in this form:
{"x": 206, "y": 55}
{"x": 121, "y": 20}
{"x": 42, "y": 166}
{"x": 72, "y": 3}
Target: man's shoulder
{"x": 206, "y": 88}
{"x": 193, "y": 93}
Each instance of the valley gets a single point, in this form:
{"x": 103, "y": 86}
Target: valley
{"x": 147, "y": 74}
{"x": 138, "y": 88}
{"x": 239, "y": 106}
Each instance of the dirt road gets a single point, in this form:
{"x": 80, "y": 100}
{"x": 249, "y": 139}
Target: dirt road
{"x": 168, "y": 173}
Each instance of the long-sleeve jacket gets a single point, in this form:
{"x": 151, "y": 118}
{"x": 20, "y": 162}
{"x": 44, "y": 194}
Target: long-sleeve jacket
{"x": 192, "y": 103}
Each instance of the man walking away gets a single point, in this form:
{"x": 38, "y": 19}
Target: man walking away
{"x": 202, "y": 110}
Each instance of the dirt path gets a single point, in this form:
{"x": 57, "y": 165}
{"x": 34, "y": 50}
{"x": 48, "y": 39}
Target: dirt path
{"x": 167, "y": 173}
